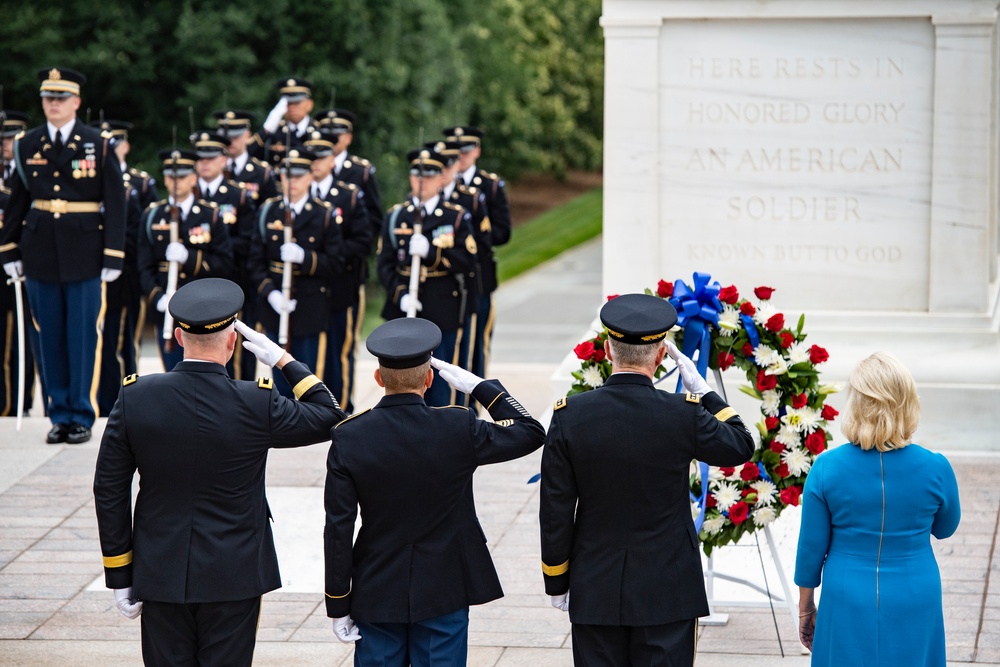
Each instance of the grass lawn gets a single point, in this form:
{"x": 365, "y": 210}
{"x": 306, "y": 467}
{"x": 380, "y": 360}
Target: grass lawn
{"x": 531, "y": 243}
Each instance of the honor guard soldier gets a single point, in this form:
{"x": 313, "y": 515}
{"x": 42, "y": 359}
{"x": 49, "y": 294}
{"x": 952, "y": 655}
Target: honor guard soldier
{"x": 288, "y": 122}
{"x": 446, "y": 248}
{"x": 619, "y": 548}
{"x": 255, "y": 175}
{"x": 352, "y": 168}
{"x": 314, "y": 254}
{"x": 492, "y": 186}
{"x": 14, "y": 122}
{"x": 239, "y": 214}
{"x": 124, "y": 305}
{"x": 65, "y": 230}
{"x": 342, "y": 328}
{"x": 144, "y": 184}
{"x": 202, "y": 248}
{"x": 421, "y": 559}
{"x": 198, "y": 554}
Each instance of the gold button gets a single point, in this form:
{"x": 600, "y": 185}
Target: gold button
{"x": 56, "y": 188}
{"x": 56, "y": 174}
{"x": 312, "y": 239}
{"x": 56, "y": 215}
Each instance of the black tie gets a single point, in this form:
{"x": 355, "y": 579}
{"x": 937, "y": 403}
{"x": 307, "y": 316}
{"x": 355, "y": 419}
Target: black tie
{"x": 58, "y": 143}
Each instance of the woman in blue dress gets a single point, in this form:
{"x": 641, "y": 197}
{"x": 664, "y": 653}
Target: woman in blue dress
{"x": 868, "y": 512}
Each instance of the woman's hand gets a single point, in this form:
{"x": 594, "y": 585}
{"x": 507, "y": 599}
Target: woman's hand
{"x": 807, "y": 626}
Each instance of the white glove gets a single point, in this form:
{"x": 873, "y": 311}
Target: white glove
{"x": 110, "y": 275}
{"x": 162, "y": 304}
{"x": 404, "y": 302}
{"x": 277, "y": 301}
{"x": 561, "y": 602}
{"x": 277, "y": 113}
{"x": 345, "y": 631}
{"x": 266, "y": 350}
{"x": 459, "y": 378}
{"x": 176, "y": 252}
{"x": 14, "y": 269}
{"x": 419, "y": 245}
{"x": 127, "y": 605}
{"x": 693, "y": 381}
{"x": 292, "y": 252}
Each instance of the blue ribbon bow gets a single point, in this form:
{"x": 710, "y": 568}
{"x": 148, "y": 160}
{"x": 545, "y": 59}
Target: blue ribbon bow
{"x": 696, "y": 309}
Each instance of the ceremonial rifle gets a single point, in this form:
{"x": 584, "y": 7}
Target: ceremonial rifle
{"x": 18, "y": 283}
{"x": 418, "y": 228}
{"x": 284, "y": 339}
{"x": 173, "y": 268}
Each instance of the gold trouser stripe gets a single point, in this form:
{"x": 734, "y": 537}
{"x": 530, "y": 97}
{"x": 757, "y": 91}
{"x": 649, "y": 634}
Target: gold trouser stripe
{"x": 337, "y": 597}
{"x": 120, "y": 344}
{"x": 346, "y": 352}
{"x": 260, "y": 608}
{"x": 321, "y": 354}
{"x": 304, "y": 385}
{"x": 118, "y": 561}
{"x": 555, "y": 570}
{"x": 725, "y": 414}
{"x": 7, "y": 379}
{"x": 488, "y": 338}
{"x": 455, "y": 360}
{"x": 62, "y": 206}
{"x": 139, "y": 326}
{"x": 95, "y": 381}
{"x": 471, "y": 354}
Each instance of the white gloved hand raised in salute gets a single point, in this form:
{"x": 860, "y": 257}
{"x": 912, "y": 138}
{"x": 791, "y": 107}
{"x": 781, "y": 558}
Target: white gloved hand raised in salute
{"x": 276, "y": 114}
{"x": 693, "y": 381}
{"x": 458, "y": 378}
{"x": 266, "y": 350}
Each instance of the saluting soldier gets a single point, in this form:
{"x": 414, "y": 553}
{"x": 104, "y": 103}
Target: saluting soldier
{"x": 619, "y": 548}
{"x": 198, "y": 555}
{"x": 202, "y": 249}
{"x": 255, "y": 175}
{"x": 421, "y": 557}
{"x": 353, "y": 168}
{"x": 65, "y": 230}
{"x": 447, "y": 251}
{"x": 316, "y": 255}
{"x": 288, "y": 122}
{"x": 344, "y": 289}
{"x": 493, "y": 187}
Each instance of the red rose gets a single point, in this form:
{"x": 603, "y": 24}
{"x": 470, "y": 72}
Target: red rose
{"x": 598, "y": 351}
{"x": 749, "y": 472}
{"x": 818, "y": 355}
{"x": 664, "y": 289}
{"x": 765, "y": 381}
{"x": 725, "y": 360}
{"x": 787, "y": 338}
{"x": 776, "y": 323}
{"x": 729, "y": 295}
{"x": 799, "y": 401}
{"x": 727, "y": 471}
{"x": 816, "y": 441}
{"x": 585, "y": 350}
{"x": 777, "y": 447}
{"x": 829, "y": 413}
{"x": 613, "y": 296}
{"x": 739, "y": 512}
{"x": 747, "y": 491}
{"x": 763, "y": 293}
{"x": 710, "y": 501}
{"x": 791, "y": 495}
{"x": 746, "y": 308}
{"x": 771, "y": 423}
{"x": 747, "y": 350}
{"x": 781, "y": 470}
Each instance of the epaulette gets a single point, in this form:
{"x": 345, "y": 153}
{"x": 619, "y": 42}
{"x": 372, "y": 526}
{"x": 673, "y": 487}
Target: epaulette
{"x": 490, "y": 175}
{"x": 347, "y": 186}
{"x": 106, "y": 134}
{"x": 457, "y": 207}
{"x": 356, "y": 414}
{"x": 210, "y": 204}
{"x": 265, "y": 383}
{"x": 560, "y": 404}
{"x": 692, "y": 398}
{"x": 130, "y": 379}
{"x": 324, "y": 203}
{"x": 360, "y": 160}
{"x": 469, "y": 189}
{"x": 155, "y": 204}
{"x": 19, "y": 135}
{"x": 4, "y": 190}
{"x": 273, "y": 200}
{"x": 400, "y": 205}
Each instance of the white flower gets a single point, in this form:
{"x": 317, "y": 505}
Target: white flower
{"x": 826, "y": 388}
{"x": 764, "y": 356}
{"x": 726, "y": 496}
{"x": 714, "y": 525}
{"x": 778, "y": 367}
{"x": 798, "y": 353}
{"x": 765, "y": 311}
{"x": 765, "y": 492}
{"x": 695, "y": 511}
{"x": 592, "y": 377}
{"x": 729, "y": 321}
{"x": 788, "y": 434}
{"x": 809, "y": 419}
{"x": 797, "y": 460}
{"x": 763, "y": 516}
{"x": 714, "y": 476}
{"x": 770, "y": 402}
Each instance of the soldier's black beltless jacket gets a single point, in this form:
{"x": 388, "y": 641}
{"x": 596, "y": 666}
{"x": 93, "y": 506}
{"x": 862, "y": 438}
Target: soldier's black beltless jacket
{"x": 258, "y": 180}
{"x": 319, "y": 235}
{"x": 66, "y": 216}
{"x": 201, "y": 530}
{"x": 473, "y": 200}
{"x": 239, "y": 214}
{"x": 492, "y": 186}
{"x": 210, "y": 253}
{"x": 421, "y": 552}
{"x": 442, "y": 292}
{"x": 350, "y": 215}
{"x": 615, "y": 514}
{"x": 360, "y": 172}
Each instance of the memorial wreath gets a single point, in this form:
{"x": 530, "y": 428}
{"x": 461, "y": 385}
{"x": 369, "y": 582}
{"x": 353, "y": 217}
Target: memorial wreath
{"x": 728, "y": 330}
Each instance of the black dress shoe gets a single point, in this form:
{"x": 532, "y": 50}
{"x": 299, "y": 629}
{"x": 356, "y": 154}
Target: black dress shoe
{"x": 58, "y": 434}
{"x": 78, "y": 433}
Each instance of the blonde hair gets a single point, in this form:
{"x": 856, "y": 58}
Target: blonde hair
{"x": 883, "y": 407}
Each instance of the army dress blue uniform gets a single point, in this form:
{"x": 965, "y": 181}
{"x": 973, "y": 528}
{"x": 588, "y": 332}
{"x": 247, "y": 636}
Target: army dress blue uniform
{"x": 10, "y": 339}
{"x": 286, "y": 135}
{"x": 316, "y": 231}
{"x": 66, "y": 223}
{"x": 354, "y": 169}
{"x": 442, "y": 289}
{"x": 210, "y": 255}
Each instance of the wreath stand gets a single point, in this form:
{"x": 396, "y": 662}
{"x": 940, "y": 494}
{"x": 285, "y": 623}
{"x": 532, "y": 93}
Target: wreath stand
{"x": 773, "y": 599}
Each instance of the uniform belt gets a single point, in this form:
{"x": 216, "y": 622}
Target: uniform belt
{"x": 424, "y": 273}
{"x": 63, "y": 206}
